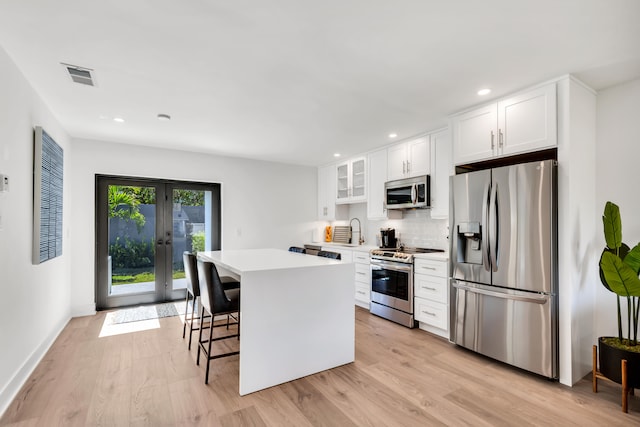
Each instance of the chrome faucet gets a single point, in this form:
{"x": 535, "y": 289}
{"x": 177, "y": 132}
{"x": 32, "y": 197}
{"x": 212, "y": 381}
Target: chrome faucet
{"x": 360, "y": 238}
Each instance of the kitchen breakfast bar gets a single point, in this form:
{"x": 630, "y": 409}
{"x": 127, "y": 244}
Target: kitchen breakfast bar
{"x": 296, "y": 313}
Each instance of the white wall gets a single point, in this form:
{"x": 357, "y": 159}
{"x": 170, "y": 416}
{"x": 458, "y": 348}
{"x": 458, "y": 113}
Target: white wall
{"x": 34, "y": 302}
{"x": 263, "y": 204}
{"x": 618, "y": 154}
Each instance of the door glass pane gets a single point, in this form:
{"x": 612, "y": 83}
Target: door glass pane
{"x": 343, "y": 181}
{"x": 132, "y": 236}
{"x": 358, "y": 178}
{"x": 191, "y": 217}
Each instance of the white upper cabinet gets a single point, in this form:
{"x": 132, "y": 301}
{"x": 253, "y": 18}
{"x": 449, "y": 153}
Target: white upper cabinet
{"x": 327, "y": 210}
{"x": 377, "y": 176}
{"x": 408, "y": 159}
{"x": 351, "y": 178}
{"x": 326, "y": 192}
{"x": 522, "y": 123}
{"x": 474, "y": 134}
{"x": 418, "y": 160}
{"x": 528, "y": 122}
{"x": 440, "y": 170}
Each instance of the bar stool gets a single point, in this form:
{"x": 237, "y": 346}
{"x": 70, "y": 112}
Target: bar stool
{"x": 193, "y": 292}
{"x": 329, "y": 254}
{"x": 215, "y": 300}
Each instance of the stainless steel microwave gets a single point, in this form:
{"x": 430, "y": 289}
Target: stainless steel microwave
{"x": 408, "y": 193}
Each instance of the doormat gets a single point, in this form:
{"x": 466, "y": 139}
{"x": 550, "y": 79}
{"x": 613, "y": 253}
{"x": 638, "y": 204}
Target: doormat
{"x": 145, "y": 312}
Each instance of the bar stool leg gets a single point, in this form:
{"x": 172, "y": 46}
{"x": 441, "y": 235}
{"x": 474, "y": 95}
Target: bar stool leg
{"x": 191, "y": 328}
{"x": 200, "y": 335}
{"x": 206, "y": 375}
{"x": 186, "y": 306}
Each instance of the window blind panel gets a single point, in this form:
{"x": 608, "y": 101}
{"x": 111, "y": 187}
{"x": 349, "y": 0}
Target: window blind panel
{"x": 47, "y": 197}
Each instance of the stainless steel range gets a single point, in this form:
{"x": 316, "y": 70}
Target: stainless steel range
{"x": 392, "y": 283}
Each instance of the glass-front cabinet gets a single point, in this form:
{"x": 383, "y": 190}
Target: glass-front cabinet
{"x": 351, "y": 181}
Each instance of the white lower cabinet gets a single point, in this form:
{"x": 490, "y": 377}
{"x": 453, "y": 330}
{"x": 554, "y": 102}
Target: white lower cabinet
{"x": 363, "y": 278}
{"x": 431, "y": 296}
{"x": 432, "y": 313}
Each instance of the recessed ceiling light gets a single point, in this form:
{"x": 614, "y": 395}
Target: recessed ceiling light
{"x": 336, "y": 154}
{"x": 118, "y": 119}
{"x": 164, "y": 117}
{"x": 483, "y": 92}
{"x": 393, "y": 135}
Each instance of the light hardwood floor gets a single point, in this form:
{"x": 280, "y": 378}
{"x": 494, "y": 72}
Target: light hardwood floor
{"x": 401, "y": 377}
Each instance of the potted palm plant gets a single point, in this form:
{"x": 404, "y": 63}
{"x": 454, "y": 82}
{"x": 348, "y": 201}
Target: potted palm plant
{"x": 619, "y": 269}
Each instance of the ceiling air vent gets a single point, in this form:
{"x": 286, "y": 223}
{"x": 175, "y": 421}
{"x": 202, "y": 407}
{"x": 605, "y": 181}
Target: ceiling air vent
{"x": 80, "y": 74}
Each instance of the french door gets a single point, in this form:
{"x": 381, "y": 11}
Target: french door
{"x": 142, "y": 228}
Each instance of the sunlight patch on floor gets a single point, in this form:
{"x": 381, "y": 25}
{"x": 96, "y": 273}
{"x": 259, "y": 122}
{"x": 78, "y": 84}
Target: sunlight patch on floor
{"x": 110, "y": 329}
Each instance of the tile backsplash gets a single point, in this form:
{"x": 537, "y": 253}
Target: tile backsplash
{"x": 415, "y": 229}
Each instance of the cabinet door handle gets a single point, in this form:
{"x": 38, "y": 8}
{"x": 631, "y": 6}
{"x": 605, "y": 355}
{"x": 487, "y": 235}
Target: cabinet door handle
{"x": 404, "y": 167}
{"x": 493, "y": 145}
{"x": 428, "y": 288}
{"x": 361, "y": 292}
{"x": 408, "y": 166}
{"x": 360, "y": 272}
{"x": 428, "y": 268}
{"x": 428, "y": 313}
{"x": 500, "y": 138}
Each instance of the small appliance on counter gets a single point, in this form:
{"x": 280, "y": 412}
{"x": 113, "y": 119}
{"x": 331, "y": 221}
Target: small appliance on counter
{"x": 388, "y": 238}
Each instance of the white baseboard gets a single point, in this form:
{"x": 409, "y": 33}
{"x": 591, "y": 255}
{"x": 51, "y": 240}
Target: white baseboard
{"x": 10, "y": 391}
{"x": 83, "y": 310}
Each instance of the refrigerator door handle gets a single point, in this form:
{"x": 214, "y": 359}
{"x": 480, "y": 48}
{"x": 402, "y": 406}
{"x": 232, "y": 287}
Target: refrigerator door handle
{"x": 484, "y": 235}
{"x": 493, "y": 227}
{"x": 542, "y": 299}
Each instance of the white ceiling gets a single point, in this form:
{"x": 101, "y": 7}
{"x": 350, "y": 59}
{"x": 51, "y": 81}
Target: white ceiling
{"x": 294, "y": 80}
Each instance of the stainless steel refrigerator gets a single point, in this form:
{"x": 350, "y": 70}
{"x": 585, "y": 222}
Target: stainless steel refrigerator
{"x": 503, "y": 243}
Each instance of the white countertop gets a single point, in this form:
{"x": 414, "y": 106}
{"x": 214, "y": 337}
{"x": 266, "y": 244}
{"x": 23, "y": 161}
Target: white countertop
{"x": 243, "y": 260}
{"x": 348, "y": 246}
{"x": 438, "y": 256}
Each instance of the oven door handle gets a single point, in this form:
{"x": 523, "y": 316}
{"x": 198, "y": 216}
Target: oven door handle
{"x": 389, "y": 265}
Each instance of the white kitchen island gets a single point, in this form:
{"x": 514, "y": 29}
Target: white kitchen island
{"x": 296, "y": 313}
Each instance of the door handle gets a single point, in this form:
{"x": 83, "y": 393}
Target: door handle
{"x": 484, "y": 231}
{"x": 493, "y": 227}
{"x": 481, "y": 291}
{"x": 160, "y": 242}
